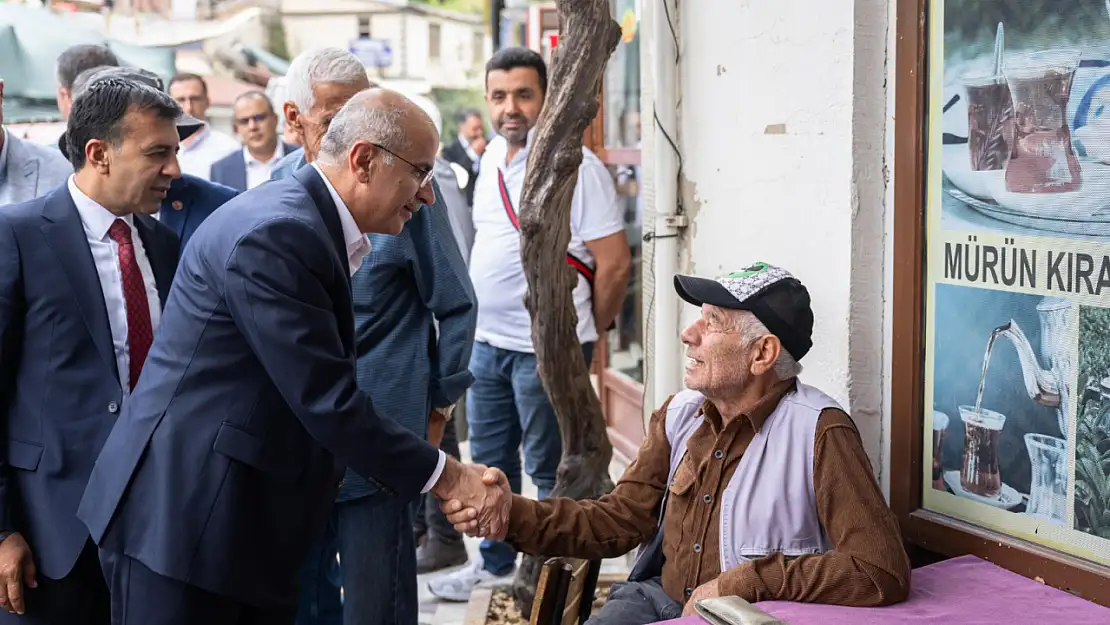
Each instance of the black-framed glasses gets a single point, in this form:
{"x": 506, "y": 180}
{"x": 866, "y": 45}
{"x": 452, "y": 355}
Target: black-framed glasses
{"x": 425, "y": 173}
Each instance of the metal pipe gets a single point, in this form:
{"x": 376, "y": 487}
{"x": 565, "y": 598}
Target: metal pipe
{"x": 668, "y": 356}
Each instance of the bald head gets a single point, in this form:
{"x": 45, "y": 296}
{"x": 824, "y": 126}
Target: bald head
{"x": 386, "y": 119}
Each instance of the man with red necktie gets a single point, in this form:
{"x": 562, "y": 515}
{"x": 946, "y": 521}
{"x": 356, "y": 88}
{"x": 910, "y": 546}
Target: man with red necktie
{"x": 84, "y": 272}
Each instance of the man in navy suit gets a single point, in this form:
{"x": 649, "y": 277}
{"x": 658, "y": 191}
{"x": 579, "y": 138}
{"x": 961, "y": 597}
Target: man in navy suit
{"x": 256, "y": 124}
{"x": 191, "y": 199}
{"x": 223, "y": 466}
{"x": 84, "y": 272}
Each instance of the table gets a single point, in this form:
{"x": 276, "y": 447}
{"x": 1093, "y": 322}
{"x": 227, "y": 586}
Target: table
{"x": 965, "y": 590}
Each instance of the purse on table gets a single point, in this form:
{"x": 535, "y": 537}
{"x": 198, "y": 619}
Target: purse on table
{"x": 733, "y": 611}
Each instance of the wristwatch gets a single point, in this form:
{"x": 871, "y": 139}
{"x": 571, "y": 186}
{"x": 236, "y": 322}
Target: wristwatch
{"x": 446, "y": 411}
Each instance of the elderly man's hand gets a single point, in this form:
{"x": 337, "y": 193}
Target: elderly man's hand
{"x": 707, "y": 590}
{"x": 478, "y": 496}
{"x": 467, "y": 520}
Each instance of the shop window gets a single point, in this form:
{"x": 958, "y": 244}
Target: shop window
{"x": 1001, "y": 363}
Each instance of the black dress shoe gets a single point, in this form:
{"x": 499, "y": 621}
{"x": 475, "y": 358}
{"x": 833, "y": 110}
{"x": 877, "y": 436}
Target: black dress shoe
{"x": 436, "y": 555}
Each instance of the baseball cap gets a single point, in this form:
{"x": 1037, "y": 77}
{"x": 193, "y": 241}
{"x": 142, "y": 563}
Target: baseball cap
{"x": 186, "y": 124}
{"x": 770, "y": 293}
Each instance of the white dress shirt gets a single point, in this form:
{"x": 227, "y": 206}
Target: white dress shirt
{"x": 196, "y": 157}
{"x": 358, "y": 246}
{"x": 258, "y": 171}
{"x": 105, "y": 252}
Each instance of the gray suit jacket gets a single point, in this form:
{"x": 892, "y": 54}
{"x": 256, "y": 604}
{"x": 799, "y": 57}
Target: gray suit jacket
{"x": 31, "y": 170}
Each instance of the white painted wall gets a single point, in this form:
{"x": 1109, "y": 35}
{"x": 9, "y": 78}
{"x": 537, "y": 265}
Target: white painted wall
{"x": 783, "y": 131}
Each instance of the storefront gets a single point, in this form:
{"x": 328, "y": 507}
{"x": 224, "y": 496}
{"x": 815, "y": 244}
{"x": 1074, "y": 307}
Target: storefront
{"x": 1000, "y": 361}
{"x": 615, "y": 137}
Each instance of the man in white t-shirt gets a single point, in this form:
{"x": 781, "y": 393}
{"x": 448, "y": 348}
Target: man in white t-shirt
{"x": 507, "y": 407}
{"x": 206, "y": 146}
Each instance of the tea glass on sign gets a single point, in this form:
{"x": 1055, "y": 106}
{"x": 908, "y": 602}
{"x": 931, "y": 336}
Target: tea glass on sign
{"x": 940, "y": 427}
{"x": 1042, "y": 159}
{"x": 979, "y": 472}
{"x": 990, "y": 122}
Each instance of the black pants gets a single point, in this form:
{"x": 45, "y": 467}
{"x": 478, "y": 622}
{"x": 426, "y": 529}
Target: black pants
{"x": 78, "y": 598}
{"x": 637, "y": 603}
{"x": 142, "y": 597}
{"x": 429, "y": 518}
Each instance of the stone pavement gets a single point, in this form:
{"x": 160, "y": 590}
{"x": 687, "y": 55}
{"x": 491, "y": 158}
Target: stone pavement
{"x": 436, "y": 612}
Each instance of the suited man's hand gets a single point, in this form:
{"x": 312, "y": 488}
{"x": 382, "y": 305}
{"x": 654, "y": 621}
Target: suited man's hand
{"x": 436, "y": 423}
{"x": 17, "y": 569}
{"x": 467, "y": 520}
{"x": 481, "y": 494}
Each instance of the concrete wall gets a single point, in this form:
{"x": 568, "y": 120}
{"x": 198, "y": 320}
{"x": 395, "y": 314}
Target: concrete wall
{"x": 783, "y": 126}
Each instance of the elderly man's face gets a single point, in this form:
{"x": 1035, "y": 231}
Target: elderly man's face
{"x": 393, "y": 180}
{"x": 718, "y": 359}
{"x": 312, "y": 126}
{"x": 138, "y": 169}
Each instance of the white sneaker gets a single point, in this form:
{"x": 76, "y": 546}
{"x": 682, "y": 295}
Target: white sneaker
{"x": 458, "y": 585}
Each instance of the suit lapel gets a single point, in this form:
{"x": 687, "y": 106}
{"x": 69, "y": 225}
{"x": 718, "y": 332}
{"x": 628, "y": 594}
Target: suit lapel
{"x": 66, "y": 236}
{"x": 160, "y": 264}
{"x": 174, "y": 212}
{"x": 329, "y": 212}
{"x": 239, "y": 172}
{"x": 23, "y": 171}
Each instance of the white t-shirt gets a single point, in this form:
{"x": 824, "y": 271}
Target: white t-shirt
{"x": 495, "y": 265}
{"x": 197, "y": 157}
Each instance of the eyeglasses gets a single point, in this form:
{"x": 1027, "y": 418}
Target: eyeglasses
{"x": 424, "y": 173}
{"x": 258, "y": 118}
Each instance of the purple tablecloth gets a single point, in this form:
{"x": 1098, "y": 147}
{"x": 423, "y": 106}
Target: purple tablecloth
{"x": 963, "y": 590}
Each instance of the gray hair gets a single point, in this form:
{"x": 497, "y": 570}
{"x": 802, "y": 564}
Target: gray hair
{"x": 359, "y": 121}
{"x": 751, "y": 330}
{"x": 322, "y": 66}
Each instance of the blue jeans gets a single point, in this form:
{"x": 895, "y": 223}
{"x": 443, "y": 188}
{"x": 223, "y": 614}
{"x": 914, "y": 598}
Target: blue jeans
{"x": 505, "y": 408}
{"x": 373, "y": 536}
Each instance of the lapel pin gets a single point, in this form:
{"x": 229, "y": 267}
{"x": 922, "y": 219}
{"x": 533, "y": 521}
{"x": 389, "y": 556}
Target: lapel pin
{"x": 177, "y": 205}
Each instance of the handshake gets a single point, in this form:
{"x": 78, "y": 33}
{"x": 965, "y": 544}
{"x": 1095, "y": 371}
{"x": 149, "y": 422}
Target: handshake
{"x": 476, "y": 499}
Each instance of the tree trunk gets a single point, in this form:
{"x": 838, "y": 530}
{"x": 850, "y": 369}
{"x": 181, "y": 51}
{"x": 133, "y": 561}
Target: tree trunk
{"x": 588, "y": 35}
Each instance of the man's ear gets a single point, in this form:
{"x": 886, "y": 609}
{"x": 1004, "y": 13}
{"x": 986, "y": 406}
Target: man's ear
{"x": 767, "y": 349}
{"x": 96, "y": 155}
{"x": 292, "y": 116}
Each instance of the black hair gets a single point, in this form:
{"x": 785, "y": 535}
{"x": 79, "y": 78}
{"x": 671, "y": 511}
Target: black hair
{"x": 79, "y": 58}
{"x": 467, "y": 113}
{"x": 507, "y": 59}
{"x": 186, "y": 77}
{"x": 99, "y": 113}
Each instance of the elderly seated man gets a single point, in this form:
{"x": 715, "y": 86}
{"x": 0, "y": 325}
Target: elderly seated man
{"x": 749, "y": 483}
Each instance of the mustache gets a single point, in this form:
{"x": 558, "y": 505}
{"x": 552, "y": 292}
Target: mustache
{"x": 515, "y": 118}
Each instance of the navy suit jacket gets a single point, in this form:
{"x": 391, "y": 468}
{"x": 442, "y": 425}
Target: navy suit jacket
{"x": 222, "y": 468}
{"x": 59, "y": 384}
{"x": 231, "y": 170}
{"x": 189, "y": 202}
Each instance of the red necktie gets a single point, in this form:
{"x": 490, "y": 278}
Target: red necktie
{"x": 140, "y": 334}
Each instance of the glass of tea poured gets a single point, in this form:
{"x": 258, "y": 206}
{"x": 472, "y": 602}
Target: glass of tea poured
{"x": 979, "y": 472}
{"x": 1041, "y": 158}
{"x": 990, "y": 122}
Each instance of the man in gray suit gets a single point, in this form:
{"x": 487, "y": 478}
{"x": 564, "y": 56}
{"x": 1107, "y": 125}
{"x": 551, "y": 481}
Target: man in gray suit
{"x": 27, "y": 169}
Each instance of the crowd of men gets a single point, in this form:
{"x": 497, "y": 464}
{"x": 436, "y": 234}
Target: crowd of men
{"x": 224, "y": 363}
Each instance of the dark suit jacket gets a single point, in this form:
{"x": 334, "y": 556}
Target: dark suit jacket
{"x": 59, "y": 385}
{"x": 189, "y": 202}
{"x": 231, "y": 170}
{"x": 220, "y": 471}
{"x": 455, "y": 152}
